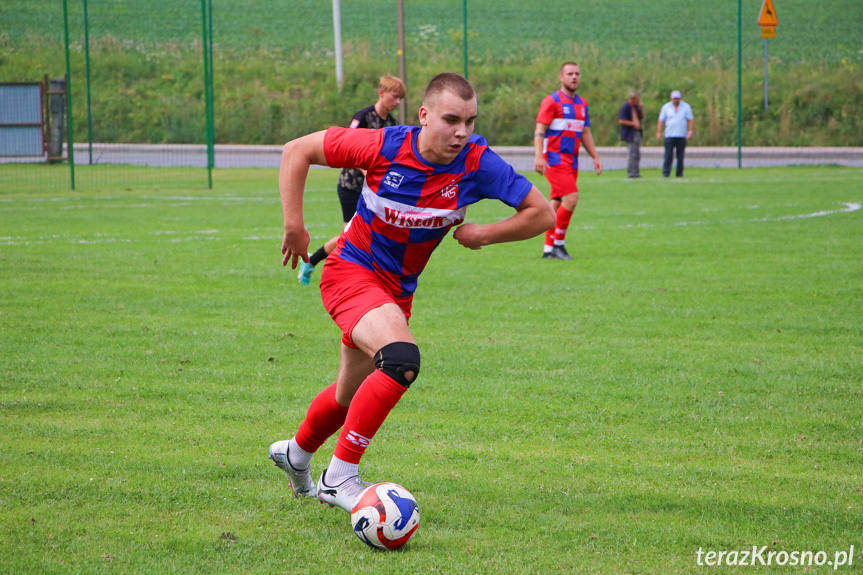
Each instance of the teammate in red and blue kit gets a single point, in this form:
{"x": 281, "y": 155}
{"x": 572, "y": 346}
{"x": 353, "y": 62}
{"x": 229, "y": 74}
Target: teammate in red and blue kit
{"x": 562, "y": 125}
{"x": 419, "y": 182}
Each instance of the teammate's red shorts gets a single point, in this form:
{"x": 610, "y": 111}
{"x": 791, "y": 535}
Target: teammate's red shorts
{"x": 563, "y": 180}
{"x": 350, "y": 291}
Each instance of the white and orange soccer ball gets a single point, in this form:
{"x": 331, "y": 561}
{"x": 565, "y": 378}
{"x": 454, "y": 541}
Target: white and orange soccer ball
{"x": 385, "y": 516}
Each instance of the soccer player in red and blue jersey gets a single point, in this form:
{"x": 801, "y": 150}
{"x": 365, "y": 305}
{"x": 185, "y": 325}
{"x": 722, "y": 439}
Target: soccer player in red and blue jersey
{"x": 562, "y": 125}
{"x": 419, "y": 182}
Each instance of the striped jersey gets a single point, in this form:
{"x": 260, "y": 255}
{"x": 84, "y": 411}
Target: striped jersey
{"x": 566, "y": 118}
{"x": 408, "y": 204}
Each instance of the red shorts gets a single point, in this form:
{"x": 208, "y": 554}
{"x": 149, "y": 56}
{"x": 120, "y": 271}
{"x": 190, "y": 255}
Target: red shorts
{"x": 563, "y": 180}
{"x": 350, "y": 291}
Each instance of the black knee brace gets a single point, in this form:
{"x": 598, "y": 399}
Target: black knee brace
{"x": 397, "y": 358}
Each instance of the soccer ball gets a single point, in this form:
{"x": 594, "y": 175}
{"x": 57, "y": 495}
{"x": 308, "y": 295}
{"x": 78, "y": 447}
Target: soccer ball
{"x": 385, "y": 516}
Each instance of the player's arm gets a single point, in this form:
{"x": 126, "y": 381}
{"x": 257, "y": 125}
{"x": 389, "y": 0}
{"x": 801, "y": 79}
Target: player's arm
{"x": 659, "y": 126}
{"x": 297, "y": 156}
{"x": 532, "y": 217}
{"x": 587, "y": 140}
{"x": 538, "y": 140}
{"x": 359, "y": 121}
{"x": 689, "y": 125}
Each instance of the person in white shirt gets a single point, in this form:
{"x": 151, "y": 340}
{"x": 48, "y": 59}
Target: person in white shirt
{"x": 676, "y": 117}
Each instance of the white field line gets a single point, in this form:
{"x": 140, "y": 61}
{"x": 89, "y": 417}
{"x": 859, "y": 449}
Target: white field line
{"x": 209, "y": 235}
{"x": 849, "y": 207}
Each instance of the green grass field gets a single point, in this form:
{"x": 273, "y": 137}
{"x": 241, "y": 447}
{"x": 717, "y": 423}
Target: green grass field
{"x": 692, "y": 380}
{"x": 274, "y": 68}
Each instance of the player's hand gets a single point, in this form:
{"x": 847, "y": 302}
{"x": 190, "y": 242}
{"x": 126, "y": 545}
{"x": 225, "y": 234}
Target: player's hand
{"x": 295, "y": 246}
{"x": 597, "y": 166}
{"x": 469, "y": 235}
{"x": 539, "y": 164}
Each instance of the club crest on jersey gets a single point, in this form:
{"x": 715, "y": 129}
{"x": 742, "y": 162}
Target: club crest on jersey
{"x": 450, "y": 191}
{"x": 393, "y": 180}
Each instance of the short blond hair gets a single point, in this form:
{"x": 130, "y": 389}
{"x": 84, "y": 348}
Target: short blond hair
{"x": 392, "y": 84}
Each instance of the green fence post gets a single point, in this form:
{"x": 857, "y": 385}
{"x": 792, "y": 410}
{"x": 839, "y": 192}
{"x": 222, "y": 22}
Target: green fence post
{"x": 87, "y": 67}
{"x": 69, "y": 114}
{"x": 464, "y": 28}
{"x": 211, "y": 144}
{"x": 739, "y": 83}
{"x": 206, "y": 52}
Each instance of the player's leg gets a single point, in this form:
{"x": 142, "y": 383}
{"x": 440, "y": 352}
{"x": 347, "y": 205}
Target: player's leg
{"x": 561, "y": 225}
{"x": 565, "y": 190}
{"x": 569, "y": 201}
{"x": 325, "y": 416}
{"x": 327, "y": 412}
{"x": 319, "y": 255}
{"x": 382, "y": 334}
{"x": 563, "y": 182}
{"x": 348, "y": 200}
{"x": 305, "y": 270}
{"x": 323, "y": 251}
{"x": 548, "y": 246}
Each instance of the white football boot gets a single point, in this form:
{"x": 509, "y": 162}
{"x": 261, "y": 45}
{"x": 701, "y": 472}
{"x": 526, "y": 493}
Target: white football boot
{"x": 344, "y": 495}
{"x": 300, "y": 480}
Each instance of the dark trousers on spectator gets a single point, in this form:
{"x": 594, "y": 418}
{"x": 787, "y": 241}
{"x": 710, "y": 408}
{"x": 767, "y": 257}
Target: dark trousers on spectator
{"x": 633, "y": 159}
{"x": 672, "y": 146}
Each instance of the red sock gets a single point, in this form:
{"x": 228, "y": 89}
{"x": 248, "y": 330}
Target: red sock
{"x": 377, "y": 395}
{"x": 324, "y": 418}
{"x": 549, "y": 237}
{"x": 562, "y": 223}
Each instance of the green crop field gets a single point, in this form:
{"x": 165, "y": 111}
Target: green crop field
{"x": 690, "y": 382}
{"x": 499, "y": 31}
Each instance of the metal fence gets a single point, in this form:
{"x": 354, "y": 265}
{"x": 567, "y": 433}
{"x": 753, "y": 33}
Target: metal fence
{"x": 179, "y": 78}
